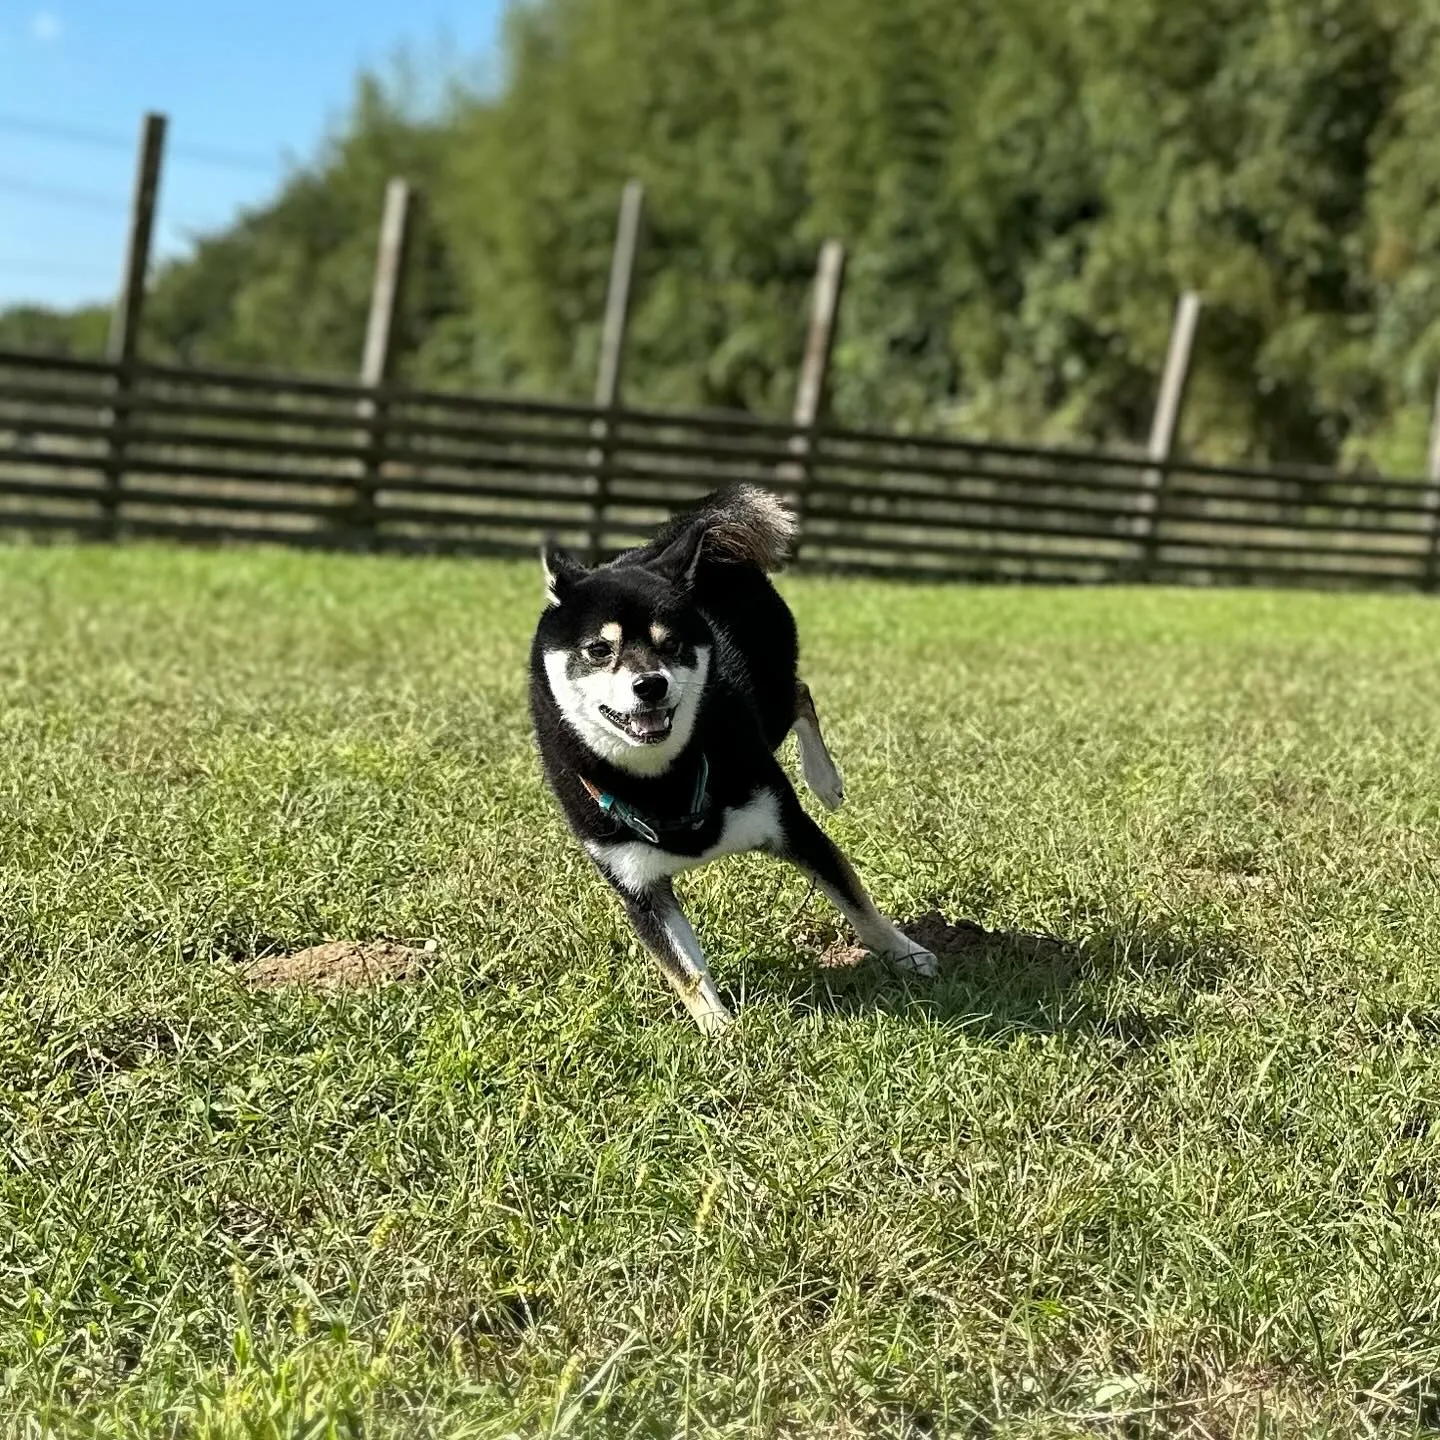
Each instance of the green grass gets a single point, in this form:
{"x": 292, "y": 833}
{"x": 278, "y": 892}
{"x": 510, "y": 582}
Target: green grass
{"x": 1183, "y": 1181}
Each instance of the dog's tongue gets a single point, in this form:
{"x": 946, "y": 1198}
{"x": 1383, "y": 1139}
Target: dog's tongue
{"x": 648, "y": 722}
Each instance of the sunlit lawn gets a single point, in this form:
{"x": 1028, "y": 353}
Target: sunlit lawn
{"x": 1181, "y": 1180}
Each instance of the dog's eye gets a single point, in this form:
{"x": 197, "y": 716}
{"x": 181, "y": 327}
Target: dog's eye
{"x": 598, "y": 651}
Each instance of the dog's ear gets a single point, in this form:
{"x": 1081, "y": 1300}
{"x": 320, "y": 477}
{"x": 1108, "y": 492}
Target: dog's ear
{"x": 678, "y": 561}
{"x": 561, "y": 572}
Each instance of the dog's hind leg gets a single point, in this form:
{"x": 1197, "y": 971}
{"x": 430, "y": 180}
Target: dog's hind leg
{"x": 661, "y": 924}
{"x": 807, "y": 846}
{"x": 817, "y": 764}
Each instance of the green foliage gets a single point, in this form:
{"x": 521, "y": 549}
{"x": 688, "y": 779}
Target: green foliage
{"x": 1024, "y": 187}
{"x": 55, "y": 332}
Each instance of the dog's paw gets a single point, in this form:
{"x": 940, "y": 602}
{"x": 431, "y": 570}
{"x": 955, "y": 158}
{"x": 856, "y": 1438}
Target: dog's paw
{"x": 889, "y": 942}
{"x": 918, "y": 961}
{"x": 706, "y": 1007}
{"x": 823, "y": 778}
{"x": 908, "y": 955}
{"x": 713, "y": 1022}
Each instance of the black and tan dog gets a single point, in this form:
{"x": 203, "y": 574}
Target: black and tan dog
{"x": 661, "y": 686}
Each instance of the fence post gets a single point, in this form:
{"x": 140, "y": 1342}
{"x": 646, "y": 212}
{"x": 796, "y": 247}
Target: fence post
{"x": 1432, "y": 497}
{"x": 814, "y": 376}
{"x": 379, "y": 354}
{"x": 1165, "y": 426}
{"x": 123, "y": 345}
{"x": 612, "y": 355}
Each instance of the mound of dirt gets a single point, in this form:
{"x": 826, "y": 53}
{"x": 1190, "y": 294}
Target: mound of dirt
{"x": 340, "y": 963}
{"x": 947, "y": 939}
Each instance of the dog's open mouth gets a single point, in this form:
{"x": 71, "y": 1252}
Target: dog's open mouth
{"x": 646, "y": 727}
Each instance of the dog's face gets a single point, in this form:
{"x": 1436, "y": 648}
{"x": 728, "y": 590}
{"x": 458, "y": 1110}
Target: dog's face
{"x": 627, "y": 657}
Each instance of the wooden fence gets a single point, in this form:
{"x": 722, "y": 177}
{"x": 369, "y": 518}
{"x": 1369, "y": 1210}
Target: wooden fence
{"x": 108, "y": 448}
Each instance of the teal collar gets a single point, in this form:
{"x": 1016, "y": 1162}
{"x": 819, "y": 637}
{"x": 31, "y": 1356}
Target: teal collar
{"x": 651, "y": 830}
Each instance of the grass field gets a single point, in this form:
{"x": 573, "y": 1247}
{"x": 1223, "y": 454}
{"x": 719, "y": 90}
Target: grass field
{"x": 1180, "y": 1180}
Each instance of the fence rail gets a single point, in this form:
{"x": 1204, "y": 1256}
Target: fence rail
{"x": 104, "y": 448}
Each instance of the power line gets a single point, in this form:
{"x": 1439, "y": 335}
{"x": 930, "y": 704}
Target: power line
{"x": 70, "y": 134}
{"x": 113, "y": 140}
{"x": 62, "y": 195}
{"x": 224, "y": 159}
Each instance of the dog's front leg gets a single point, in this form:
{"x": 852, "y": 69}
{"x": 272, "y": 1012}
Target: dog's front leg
{"x": 661, "y": 924}
{"x": 807, "y": 846}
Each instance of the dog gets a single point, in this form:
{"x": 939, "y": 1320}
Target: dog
{"x": 662, "y": 684}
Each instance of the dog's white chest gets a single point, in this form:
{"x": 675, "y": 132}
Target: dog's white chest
{"x": 637, "y": 864}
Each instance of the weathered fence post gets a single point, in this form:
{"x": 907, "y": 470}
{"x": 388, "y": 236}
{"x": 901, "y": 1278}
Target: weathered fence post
{"x": 377, "y": 360}
{"x": 612, "y": 355}
{"x": 1432, "y": 498}
{"x": 1165, "y": 426}
{"x": 814, "y": 375}
{"x": 123, "y": 346}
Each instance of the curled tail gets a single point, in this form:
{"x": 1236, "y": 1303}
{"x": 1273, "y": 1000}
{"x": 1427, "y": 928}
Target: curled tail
{"x": 748, "y": 526}
{"x": 739, "y": 525}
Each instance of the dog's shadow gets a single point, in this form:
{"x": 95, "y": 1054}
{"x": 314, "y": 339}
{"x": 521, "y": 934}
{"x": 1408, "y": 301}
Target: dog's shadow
{"x": 1126, "y": 984}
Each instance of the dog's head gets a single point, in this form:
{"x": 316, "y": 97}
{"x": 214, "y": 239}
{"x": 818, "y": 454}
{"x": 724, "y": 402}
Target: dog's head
{"x": 626, "y": 654}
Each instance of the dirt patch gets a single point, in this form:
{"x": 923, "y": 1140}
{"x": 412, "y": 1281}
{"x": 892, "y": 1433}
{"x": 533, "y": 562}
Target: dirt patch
{"x": 341, "y": 963}
{"x": 948, "y": 940}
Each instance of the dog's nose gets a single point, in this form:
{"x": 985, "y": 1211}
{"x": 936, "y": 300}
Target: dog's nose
{"x": 650, "y": 689}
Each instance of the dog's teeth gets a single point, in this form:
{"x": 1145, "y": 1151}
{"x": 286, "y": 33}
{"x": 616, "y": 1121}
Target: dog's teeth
{"x": 644, "y": 725}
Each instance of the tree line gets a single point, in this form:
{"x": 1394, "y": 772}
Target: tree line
{"x": 1023, "y": 187}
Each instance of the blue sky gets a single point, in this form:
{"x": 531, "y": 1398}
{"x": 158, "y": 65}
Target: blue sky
{"x": 248, "y": 87}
